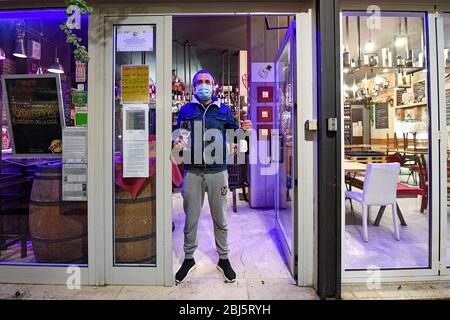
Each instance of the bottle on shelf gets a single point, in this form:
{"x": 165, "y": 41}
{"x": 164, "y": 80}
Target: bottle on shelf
{"x": 346, "y": 58}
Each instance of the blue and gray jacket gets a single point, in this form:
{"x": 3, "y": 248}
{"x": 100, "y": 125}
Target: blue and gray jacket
{"x": 217, "y": 116}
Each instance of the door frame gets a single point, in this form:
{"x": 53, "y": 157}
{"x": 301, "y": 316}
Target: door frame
{"x": 100, "y": 129}
{"x": 443, "y": 13}
{"x": 419, "y": 274}
{"x": 290, "y": 250}
{"x": 306, "y": 151}
{"x": 101, "y": 135}
{"x": 304, "y": 165}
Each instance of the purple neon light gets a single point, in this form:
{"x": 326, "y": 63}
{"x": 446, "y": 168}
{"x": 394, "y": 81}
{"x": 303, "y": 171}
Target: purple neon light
{"x": 38, "y": 14}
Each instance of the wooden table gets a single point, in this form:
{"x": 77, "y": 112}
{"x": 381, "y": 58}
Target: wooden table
{"x": 362, "y": 147}
{"x": 354, "y": 167}
{"x": 413, "y": 152}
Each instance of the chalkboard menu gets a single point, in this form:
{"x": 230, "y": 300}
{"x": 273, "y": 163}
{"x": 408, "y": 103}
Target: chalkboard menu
{"x": 381, "y": 116}
{"x": 35, "y": 115}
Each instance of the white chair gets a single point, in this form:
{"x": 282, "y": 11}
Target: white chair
{"x": 380, "y": 189}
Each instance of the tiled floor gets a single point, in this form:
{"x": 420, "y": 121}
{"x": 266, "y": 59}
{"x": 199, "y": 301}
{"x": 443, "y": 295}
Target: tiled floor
{"x": 382, "y": 249}
{"x": 398, "y": 291}
{"x": 255, "y": 255}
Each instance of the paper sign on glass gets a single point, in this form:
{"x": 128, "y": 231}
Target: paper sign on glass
{"x": 135, "y": 122}
{"x": 263, "y": 72}
{"x": 74, "y": 182}
{"x": 135, "y": 83}
{"x": 134, "y": 38}
{"x": 135, "y": 159}
{"x": 75, "y": 145}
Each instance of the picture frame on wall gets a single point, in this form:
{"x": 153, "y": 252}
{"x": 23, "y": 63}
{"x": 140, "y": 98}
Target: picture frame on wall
{"x": 265, "y": 94}
{"x": 265, "y": 114}
{"x": 264, "y": 131}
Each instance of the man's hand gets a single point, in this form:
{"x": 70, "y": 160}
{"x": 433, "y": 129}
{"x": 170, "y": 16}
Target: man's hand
{"x": 246, "y": 124}
{"x": 180, "y": 143}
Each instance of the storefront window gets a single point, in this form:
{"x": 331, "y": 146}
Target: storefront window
{"x": 43, "y": 164}
{"x": 135, "y": 145}
{"x": 386, "y": 125}
{"x": 447, "y": 96}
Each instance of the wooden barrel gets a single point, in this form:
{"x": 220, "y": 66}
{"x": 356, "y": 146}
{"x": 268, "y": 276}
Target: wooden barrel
{"x": 135, "y": 222}
{"x": 58, "y": 229}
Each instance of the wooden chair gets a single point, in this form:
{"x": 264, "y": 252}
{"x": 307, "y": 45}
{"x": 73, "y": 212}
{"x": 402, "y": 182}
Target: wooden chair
{"x": 395, "y": 141}
{"x": 8, "y": 238}
{"x": 423, "y": 181}
{"x": 237, "y": 179}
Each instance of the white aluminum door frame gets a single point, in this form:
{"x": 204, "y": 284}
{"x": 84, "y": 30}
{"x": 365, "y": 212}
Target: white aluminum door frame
{"x": 305, "y": 163}
{"x": 162, "y": 273}
{"x": 425, "y": 274}
{"x": 289, "y": 249}
{"x": 443, "y": 139}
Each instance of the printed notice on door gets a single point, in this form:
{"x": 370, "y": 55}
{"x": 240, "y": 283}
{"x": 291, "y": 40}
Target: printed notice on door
{"x": 74, "y": 182}
{"x": 134, "y": 38}
{"x": 75, "y": 145}
{"x": 135, "y": 159}
{"x": 135, "y": 84}
{"x": 135, "y": 122}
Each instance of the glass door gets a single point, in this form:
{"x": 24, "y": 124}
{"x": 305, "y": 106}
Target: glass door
{"x": 444, "y": 81}
{"x": 285, "y": 125}
{"x": 137, "y": 220}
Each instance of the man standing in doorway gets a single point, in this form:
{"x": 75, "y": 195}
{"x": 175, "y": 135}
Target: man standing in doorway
{"x": 205, "y": 111}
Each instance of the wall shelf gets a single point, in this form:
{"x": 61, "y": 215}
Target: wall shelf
{"x": 380, "y": 70}
{"x": 412, "y": 105}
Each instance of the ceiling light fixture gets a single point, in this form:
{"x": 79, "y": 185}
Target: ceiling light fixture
{"x": 2, "y": 54}
{"x": 56, "y": 67}
{"x": 20, "y": 51}
{"x": 370, "y": 46}
{"x": 401, "y": 39}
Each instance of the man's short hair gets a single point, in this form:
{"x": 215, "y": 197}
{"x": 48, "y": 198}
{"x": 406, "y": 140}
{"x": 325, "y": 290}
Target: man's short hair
{"x": 194, "y": 80}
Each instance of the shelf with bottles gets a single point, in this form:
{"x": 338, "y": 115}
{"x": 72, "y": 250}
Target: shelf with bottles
{"x": 363, "y": 70}
{"x": 411, "y": 105}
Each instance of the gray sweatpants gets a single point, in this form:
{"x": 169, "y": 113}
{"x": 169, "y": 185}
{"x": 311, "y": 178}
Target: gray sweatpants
{"x": 194, "y": 187}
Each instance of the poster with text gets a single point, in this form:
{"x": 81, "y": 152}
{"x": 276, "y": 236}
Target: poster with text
{"x": 35, "y": 114}
{"x": 134, "y": 38}
{"x": 135, "y": 83}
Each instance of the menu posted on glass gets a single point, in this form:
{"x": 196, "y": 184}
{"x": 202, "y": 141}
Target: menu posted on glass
{"x": 74, "y": 182}
{"x": 135, "y": 83}
{"x": 75, "y": 145}
{"x": 135, "y": 122}
{"x": 134, "y": 38}
{"x": 135, "y": 159}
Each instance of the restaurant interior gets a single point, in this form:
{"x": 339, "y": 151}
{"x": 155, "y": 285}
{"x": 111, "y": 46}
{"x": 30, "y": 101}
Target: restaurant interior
{"x": 36, "y": 226}
{"x": 234, "y": 53}
{"x": 386, "y": 121}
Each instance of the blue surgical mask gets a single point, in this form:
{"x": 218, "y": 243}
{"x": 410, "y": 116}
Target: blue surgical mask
{"x": 203, "y": 91}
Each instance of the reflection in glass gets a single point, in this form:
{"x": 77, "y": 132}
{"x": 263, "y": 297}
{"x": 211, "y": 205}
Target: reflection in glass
{"x": 285, "y": 176}
{"x": 135, "y": 196}
{"x": 36, "y": 225}
{"x": 447, "y": 95}
{"x": 386, "y": 119}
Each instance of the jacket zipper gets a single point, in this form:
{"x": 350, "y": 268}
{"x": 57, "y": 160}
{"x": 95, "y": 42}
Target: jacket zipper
{"x": 203, "y": 134}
